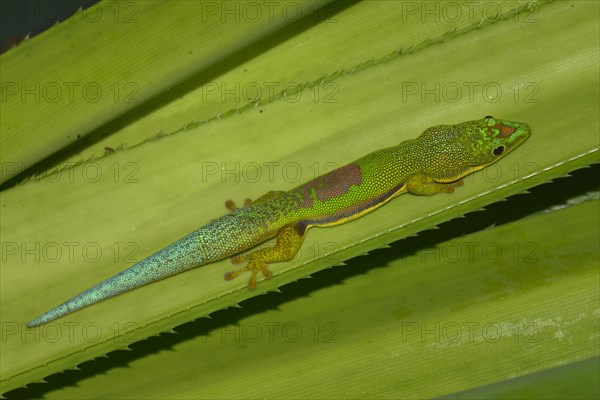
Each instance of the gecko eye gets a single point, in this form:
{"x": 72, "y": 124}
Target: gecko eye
{"x": 498, "y": 151}
{"x": 489, "y": 116}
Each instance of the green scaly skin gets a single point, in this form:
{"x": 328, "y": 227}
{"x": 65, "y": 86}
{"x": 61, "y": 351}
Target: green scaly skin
{"x": 435, "y": 162}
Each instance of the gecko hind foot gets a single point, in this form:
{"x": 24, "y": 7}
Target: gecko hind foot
{"x": 253, "y": 266}
{"x": 289, "y": 240}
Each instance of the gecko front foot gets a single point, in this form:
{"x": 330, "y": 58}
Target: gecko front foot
{"x": 255, "y": 266}
{"x": 449, "y": 187}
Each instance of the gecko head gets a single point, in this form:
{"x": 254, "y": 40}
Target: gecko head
{"x": 489, "y": 139}
{"x": 457, "y": 150}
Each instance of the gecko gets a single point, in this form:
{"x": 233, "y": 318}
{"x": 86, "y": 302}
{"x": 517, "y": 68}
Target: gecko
{"x": 434, "y": 162}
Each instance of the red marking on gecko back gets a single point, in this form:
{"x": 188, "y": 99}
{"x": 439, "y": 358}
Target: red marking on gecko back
{"x": 338, "y": 182}
{"x": 330, "y": 186}
{"x": 505, "y": 131}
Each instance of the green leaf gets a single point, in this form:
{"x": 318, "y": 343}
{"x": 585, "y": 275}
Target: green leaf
{"x": 455, "y": 312}
{"x": 354, "y": 91}
{"x": 561, "y": 382}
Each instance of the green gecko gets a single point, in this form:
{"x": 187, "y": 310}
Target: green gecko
{"x": 434, "y": 162}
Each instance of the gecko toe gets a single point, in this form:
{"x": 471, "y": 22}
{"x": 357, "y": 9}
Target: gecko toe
{"x": 230, "y": 205}
{"x": 238, "y": 259}
{"x": 252, "y": 281}
{"x": 230, "y": 275}
{"x": 254, "y": 266}
{"x": 268, "y": 274}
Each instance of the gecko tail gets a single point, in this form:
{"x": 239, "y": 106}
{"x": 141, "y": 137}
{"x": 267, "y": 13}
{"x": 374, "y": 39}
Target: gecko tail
{"x": 180, "y": 256}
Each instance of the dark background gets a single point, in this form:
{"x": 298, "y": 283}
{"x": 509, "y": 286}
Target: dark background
{"x": 21, "y": 17}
